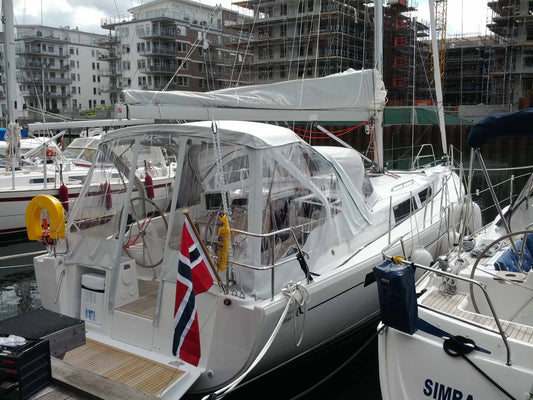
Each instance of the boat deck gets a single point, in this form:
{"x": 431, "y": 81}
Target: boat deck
{"x": 145, "y": 305}
{"x": 123, "y": 367}
{"x": 449, "y": 304}
{"x": 120, "y": 366}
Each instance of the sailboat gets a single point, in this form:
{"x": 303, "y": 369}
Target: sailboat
{"x": 284, "y": 234}
{"x": 464, "y": 330}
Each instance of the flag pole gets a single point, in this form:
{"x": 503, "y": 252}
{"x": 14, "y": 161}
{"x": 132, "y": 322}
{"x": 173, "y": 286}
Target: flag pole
{"x": 204, "y": 248}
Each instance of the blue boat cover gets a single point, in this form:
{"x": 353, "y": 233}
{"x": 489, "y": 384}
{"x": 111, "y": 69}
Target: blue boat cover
{"x": 508, "y": 261}
{"x": 510, "y": 125}
{"x": 397, "y": 296}
{"x": 24, "y": 133}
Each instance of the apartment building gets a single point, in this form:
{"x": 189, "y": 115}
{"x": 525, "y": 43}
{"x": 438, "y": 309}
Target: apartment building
{"x": 57, "y": 68}
{"x": 172, "y": 45}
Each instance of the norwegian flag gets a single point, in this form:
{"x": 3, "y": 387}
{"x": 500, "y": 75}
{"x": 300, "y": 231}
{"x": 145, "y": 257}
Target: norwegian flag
{"x": 194, "y": 277}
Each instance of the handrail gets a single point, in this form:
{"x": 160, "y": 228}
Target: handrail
{"x": 418, "y": 156}
{"x": 271, "y": 267}
{"x": 473, "y": 282}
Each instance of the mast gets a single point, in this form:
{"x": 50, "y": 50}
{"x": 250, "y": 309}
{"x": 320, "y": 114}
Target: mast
{"x": 378, "y": 64}
{"x": 436, "y": 76}
{"x": 9, "y": 58}
{"x": 12, "y": 133}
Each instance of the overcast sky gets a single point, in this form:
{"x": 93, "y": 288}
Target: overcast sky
{"x": 464, "y": 16}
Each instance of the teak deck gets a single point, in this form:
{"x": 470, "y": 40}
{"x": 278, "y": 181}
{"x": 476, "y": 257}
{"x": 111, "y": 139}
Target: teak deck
{"x": 122, "y": 367}
{"x": 450, "y": 305}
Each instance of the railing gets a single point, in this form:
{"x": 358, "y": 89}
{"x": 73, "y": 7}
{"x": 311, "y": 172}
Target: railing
{"x": 461, "y": 278}
{"x": 419, "y": 156}
{"x": 271, "y": 237}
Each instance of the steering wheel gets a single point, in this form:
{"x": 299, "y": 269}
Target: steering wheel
{"x": 144, "y": 242}
{"x": 486, "y": 249}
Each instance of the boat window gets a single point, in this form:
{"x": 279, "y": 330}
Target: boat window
{"x": 41, "y": 180}
{"x": 403, "y": 210}
{"x": 424, "y": 194}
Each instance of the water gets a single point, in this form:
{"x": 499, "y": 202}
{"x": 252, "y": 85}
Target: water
{"x": 18, "y": 288}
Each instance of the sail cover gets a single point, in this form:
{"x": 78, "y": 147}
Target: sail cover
{"x": 348, "y": 91}
{"x": 510, "y": 125}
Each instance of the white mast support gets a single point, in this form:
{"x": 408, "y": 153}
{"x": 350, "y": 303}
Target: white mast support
{"x": 9, "y": 58}
{"x": 436, "y": 76}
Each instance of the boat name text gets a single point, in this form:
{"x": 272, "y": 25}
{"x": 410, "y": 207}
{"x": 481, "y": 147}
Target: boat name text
{"x": 438, "y": 391}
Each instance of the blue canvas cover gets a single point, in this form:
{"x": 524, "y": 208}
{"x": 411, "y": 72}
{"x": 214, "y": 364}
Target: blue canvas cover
{"x": 508, "y": 261}
{"x": 510, "y": 125}
{"x": 397, "y": 296}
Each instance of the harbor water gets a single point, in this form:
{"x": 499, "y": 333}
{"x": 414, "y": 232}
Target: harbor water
{"x": 359, "y": 377}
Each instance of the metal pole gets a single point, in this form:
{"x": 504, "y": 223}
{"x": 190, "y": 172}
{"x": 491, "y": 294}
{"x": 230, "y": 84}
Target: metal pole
{"x": 436, "y": 76}
{"x": 204, "y": 248}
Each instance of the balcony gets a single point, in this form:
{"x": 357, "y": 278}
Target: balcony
{"x": 58, "y": 81}
{"x": 112, "y": 55}
{"x": 158, "y": 33}
{"x": 108, "y": 40}
{"x": 159, "y": 69}
{"x": 159, "y": 51}
{"x": 111, "y": 22}
{"x": 110, "y": 72}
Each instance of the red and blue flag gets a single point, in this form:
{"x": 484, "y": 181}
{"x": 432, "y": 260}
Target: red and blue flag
{"x": 194, "y": 277}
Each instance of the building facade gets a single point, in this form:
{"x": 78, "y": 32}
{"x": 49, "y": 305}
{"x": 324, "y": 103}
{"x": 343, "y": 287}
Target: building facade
{"x": 173, "y": 45}
{"x": 58, "y": 69}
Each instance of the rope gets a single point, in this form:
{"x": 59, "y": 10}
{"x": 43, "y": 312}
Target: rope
{"x": 220, "y": 169}
{"x": 289, "y": 290}
{"x": 459, "y": 346}
{"x": 299, "y": 303}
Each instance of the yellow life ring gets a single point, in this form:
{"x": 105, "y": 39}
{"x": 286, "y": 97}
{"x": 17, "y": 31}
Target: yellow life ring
{"x": 55, "y": 212}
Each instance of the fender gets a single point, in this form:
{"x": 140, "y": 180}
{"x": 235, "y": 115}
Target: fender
{"x": 55, "y": 212}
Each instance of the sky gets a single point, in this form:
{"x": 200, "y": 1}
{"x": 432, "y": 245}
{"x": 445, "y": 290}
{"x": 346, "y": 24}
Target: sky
{"x": 464, "y": 16}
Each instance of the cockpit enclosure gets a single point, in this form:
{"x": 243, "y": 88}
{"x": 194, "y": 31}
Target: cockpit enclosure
{"x": 281, "y": 196}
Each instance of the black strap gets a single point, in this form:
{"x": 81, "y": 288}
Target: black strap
{"x": 459, "y": 346}
{"x": 305, "y": 268}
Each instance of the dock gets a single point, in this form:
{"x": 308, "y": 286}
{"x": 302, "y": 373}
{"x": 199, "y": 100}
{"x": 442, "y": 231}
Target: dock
{"x": 70, "y": 382}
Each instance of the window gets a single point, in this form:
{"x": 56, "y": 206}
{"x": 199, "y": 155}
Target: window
{"x": 183, "y": 81}
{"x": 94, "y": 90}
{"x": 402, "y": 210}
